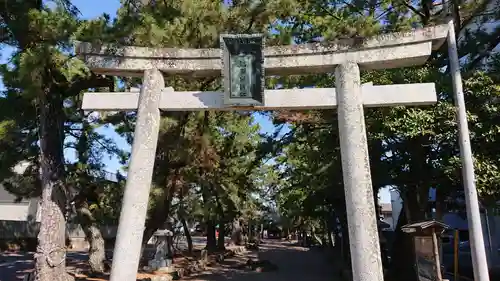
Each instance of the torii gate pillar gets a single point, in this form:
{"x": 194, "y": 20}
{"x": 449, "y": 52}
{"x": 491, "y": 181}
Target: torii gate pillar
{"x": 136, "y": 196}
{"x": 360, "y": 206}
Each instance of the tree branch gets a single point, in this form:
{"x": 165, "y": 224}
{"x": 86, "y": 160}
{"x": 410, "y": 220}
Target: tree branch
{"x": 413, "y": 9}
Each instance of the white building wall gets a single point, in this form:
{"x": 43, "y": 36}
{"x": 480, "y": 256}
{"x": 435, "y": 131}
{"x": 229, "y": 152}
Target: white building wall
{"x": 397, "y": 206}
{"x": 13, "y": 211}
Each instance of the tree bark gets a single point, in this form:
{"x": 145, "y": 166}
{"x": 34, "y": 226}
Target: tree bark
{"x": 211, "y": 241}
{"x": 331, "y": 239}
{"x": 331, "y": 224}
{"x": 403, "y": 252}
{"x": 159, "y": 215}
{"x": 50, "y": 257}
{"x": 86, "y": 197}
{"x": 97, "y": 253}
{"x": 161, "y": 212}
{"x": 314, "y": 235}
{"x": 221, "y": 239}
{"x": 170, "y": 240}
{"x": 493, "y": 230}
{"x": 189, "y": 239}
{"x": 346, "y": 247}
{"x": 236, "y": 235}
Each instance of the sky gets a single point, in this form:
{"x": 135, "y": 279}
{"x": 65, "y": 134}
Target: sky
{"x": 94, "y": 8}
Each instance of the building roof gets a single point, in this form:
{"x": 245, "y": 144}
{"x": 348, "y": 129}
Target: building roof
{"x": 422, "y": 226}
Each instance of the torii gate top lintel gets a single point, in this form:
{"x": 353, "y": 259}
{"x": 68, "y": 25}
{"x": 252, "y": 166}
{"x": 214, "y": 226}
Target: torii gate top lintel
{"x": 385, "y": 51}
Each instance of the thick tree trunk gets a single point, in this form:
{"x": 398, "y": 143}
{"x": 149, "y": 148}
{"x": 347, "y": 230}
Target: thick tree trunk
{"x": 346, "y": 247}
{"x": 221, "y": 238}
{"x": 182, "y": 217}
{"x": 51, "y": 252}
{"x": 159, "y": 215}
{"x": 305, "y": 239}
{"x": 286, "y": 232}
{"x": 402, "y": 258}
{"x": 326, "y": 234}
{"x": 491, "y": 233}
{"x": 50, "y": 257}
{"x": 440, "y": 204}
{"x": 161, "y": 212}
{"x": 170, "y": 241}
{"x": 97, "y": 254}
{"x": 250, "y": 231}
{"x": 331, "y": 239}
{"x": 87, "y": 196}
{"x": 237, "y": 234}
{"x": 189, "y": 239}
{"x": 331, "y": 225}
{"x": 211, "y": 241}
{"x": 403, "y": 252}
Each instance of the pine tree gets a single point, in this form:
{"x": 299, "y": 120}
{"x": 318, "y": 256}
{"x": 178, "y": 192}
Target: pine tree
{"x": 41, "y": 79}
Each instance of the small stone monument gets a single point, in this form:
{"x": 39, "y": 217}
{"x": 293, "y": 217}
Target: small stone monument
{"x": 161, "y": 262}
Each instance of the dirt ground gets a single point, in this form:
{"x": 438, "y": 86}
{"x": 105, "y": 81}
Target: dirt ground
{"x": 293, "y": 263}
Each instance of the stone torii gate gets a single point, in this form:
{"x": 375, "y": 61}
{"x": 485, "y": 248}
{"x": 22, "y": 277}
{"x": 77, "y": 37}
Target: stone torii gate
{"x": 346, "y": 57}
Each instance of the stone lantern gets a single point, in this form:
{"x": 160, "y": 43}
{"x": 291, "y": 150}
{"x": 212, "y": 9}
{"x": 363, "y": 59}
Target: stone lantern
{"x": 161, "y": 260}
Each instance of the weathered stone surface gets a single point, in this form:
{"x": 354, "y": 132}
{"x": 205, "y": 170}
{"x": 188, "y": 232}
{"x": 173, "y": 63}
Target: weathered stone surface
{"x": 298, "y": 99}
{"x": 435, "y": 34}
{"x": 162, "y": 278}
{"x": 360, "y": 206}
{"x": 204, "y": 256}
{"x": 135, "y": 199}
{"x": 160, "y": 260}
{"x": 384, "y": 51}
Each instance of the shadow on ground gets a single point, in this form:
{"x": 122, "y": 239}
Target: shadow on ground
{"x": 293, "y": 263}
{"x": 15, "y": 265}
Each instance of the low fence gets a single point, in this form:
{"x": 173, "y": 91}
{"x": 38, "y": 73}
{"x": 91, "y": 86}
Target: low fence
{"x": 24, "y": 229}
{"x": 23, "y": 234}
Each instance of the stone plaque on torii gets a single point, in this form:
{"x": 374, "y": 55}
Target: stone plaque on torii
{"x": 345, "y": 57}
